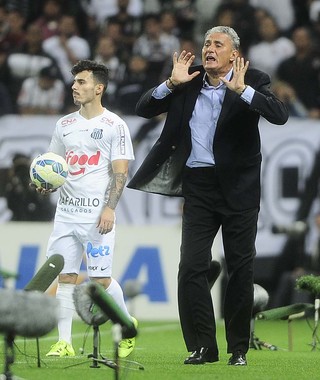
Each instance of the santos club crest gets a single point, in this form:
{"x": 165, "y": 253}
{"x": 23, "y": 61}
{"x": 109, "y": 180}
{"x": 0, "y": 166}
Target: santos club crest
{"x": 96, "y": 134}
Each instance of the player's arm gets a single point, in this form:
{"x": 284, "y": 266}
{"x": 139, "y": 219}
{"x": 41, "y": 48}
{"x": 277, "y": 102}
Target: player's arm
{"x": 118, "y": 181}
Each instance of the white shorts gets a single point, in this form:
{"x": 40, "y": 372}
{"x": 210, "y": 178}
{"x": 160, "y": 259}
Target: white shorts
{"x": 77, "y": 241}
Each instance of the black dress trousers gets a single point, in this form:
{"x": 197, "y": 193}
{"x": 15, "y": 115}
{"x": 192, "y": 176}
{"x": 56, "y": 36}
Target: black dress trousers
{"x": 204, "y": 212}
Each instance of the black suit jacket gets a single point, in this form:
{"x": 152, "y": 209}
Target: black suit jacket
{"x": 236, "y": 144}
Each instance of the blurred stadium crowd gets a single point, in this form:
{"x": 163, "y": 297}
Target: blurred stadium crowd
{"x": 40, "y": 40}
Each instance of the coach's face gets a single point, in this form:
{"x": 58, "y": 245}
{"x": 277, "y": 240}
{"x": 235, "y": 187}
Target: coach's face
{"x": 218, "y": 54}
{"x": 85, "y": 89}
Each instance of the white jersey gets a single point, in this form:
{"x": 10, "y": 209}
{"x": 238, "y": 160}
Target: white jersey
{"x": 89, "y": 147}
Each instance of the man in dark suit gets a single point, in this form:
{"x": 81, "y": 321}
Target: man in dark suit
{"x": 209, "y": 153}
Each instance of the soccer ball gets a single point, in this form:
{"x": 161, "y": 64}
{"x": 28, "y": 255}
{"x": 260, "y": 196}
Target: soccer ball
{"x": 48, "y": 171}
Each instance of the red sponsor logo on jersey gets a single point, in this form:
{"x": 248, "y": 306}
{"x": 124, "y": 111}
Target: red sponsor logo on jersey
{"x": 72, "y": 159}
{"x": 107, "y": 120}
{"x": 70, "y": 121}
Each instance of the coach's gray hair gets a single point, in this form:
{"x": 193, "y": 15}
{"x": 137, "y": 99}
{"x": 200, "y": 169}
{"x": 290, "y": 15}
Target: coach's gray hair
{"x": 228, "y": 31}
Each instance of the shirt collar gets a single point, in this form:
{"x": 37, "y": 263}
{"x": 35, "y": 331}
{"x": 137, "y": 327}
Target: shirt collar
{"x": 207, "y": 85}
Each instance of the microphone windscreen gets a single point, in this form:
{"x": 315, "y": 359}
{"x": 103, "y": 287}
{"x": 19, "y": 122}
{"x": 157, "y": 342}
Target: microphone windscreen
{"x": 111, "y": 309}
{"x": 260, "y": 298}
{"x": 6, "y": 275}
{"x": 132, "y": 288}
{"x": 46, "y": 274}
{"x": 28, "y": 314}
{"x": 85, "y": 307}
{"x": 309, "y": 282}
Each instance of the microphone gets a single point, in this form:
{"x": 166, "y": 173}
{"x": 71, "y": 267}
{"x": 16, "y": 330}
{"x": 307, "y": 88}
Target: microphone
{"x": 85, "y": 308}
{"x": 111, "y": 309}
{"x": 27, "y": 314}
{"x": 6, "y": 274}
{"x": 260, "y": 298}
{"x": 309, "y": 282}
{"x": 132, "y": 288}
{"x": 46, "y": 274}
{"x": 296, "y": 229}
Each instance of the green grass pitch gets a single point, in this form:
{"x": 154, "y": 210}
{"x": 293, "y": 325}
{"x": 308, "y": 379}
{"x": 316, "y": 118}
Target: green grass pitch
{"x": 160, "y": 351}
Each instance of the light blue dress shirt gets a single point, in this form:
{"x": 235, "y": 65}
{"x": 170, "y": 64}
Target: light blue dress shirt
{"x": 204, "y": 119}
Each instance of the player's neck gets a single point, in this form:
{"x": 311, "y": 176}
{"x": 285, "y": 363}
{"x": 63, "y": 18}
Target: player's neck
{"x": 89, "y": 111}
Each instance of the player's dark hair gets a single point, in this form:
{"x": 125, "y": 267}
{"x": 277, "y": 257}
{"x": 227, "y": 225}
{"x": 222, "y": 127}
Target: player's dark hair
{"x": 99, "y": 71}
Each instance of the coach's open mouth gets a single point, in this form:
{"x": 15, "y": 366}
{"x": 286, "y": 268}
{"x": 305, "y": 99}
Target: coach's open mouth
{"x": 210, "y": 58}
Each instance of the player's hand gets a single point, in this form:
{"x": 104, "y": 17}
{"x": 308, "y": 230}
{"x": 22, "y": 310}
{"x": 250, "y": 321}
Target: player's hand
{"x": 106, "y": 221}
{"x": 41, "y": 190}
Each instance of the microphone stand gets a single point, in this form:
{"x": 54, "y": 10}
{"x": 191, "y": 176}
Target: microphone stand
{"x": 113, "y": 364}
{"x": 117, "y": 336}
{"x": 9, "y": 358}
{"x": 9, "y": 352}
{"x": 95, "y": 354}
{"x": 258, "y": 344}
{"x": 316, "y": 321}
{"x": 95, "y": 360}
{"x": 116, "y": 365}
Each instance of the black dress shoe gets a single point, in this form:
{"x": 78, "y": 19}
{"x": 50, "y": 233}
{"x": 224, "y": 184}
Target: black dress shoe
{"x": 201, "y": 356}
{"x": 238, "y": 358}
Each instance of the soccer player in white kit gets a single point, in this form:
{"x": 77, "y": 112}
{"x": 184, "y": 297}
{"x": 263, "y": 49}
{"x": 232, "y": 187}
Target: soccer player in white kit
{"x": 97, "y": 146}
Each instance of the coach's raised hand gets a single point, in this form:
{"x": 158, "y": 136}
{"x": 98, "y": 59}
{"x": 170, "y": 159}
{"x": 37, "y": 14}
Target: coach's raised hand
{"x": 180, "y": 71}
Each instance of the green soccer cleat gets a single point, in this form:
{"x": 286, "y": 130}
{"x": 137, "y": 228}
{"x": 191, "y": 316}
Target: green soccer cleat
{"x": 61, "y": 348}
{"x": 126, "y": 346}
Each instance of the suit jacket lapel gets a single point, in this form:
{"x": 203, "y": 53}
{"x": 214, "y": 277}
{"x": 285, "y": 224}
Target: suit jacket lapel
{"x": 227, "y": 104}
{"x": 191, "y": 98}
{"x": 226, "y": 110}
